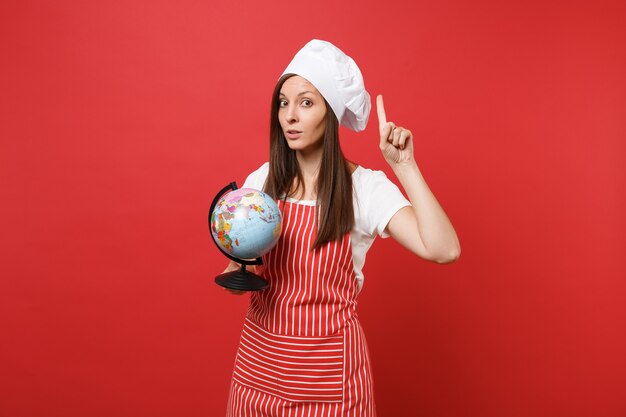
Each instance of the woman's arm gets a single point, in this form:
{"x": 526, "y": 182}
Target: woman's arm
{"x": 424, "y": 228}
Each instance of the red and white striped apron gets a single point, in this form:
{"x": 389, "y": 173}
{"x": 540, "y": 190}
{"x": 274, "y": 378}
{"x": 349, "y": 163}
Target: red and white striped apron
{"x": 302, "y": 350}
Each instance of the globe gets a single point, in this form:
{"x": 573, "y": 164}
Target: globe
{"x": 246, "y": 223}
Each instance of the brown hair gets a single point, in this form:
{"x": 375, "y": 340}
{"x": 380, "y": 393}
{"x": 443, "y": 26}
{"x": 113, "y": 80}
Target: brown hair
{"x": 335, "y": 213}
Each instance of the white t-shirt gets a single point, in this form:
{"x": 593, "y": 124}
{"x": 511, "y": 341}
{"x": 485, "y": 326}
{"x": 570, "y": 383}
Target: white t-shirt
{"x": 376, "y": 200}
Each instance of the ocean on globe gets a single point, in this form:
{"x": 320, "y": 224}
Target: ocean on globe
{"x": 246, "y": 223}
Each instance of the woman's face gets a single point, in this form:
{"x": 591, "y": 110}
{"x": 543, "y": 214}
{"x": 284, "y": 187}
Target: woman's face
{"x": 302, "y": 114}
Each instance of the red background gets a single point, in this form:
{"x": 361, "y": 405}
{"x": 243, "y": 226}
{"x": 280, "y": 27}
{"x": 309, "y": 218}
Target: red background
{"x": 121, "y": 119}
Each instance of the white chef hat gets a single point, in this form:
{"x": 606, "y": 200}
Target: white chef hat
{"x": 338, "y": 79}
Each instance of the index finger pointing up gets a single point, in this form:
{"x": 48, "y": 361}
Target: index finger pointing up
{"x": 380, "y": 110}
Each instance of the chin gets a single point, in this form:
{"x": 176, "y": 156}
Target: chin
{"x": 296, "y": 144}
{"x": 302, "y": 146}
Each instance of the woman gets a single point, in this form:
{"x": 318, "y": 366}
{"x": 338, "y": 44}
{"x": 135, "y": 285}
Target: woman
{"x": 302, "y": 349}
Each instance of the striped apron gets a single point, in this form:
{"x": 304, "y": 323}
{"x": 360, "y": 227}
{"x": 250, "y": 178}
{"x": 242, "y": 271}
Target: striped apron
{"x": 302, "y": 350}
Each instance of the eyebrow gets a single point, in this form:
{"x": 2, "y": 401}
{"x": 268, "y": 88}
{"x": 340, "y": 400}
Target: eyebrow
{"x": 299, "y": 94}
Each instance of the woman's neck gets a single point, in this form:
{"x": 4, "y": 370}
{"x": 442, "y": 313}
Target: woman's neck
{"x": 309, "y": 164}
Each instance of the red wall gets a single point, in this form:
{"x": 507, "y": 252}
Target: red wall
{"x": 121, "y": 119}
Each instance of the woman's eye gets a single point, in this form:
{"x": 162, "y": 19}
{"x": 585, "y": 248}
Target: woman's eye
{"x": 307, "y": 103}
{"x": 282, "y": 103}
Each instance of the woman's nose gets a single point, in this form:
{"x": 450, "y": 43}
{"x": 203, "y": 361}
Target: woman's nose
{"x": 291, "y": 114}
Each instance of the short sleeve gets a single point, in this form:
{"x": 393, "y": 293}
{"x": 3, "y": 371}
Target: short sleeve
{"x": 383, "y": 199}
{"x": 256, "y": 179}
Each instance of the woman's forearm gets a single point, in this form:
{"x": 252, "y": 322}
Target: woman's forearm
{"x": 435, "y": 229}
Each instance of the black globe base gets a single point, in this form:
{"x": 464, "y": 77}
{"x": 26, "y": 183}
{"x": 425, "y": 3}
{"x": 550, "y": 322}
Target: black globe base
{"x": 241, "y": 280}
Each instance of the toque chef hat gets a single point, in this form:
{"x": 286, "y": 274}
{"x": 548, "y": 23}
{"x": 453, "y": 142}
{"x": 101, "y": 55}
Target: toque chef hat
{"x": 338, "y": 79}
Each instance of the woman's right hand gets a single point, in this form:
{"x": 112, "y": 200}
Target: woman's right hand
{"x": 233, "y": 266}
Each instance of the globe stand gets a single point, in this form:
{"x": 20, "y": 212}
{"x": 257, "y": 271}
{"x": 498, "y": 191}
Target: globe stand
{"x": 241, "y": 280}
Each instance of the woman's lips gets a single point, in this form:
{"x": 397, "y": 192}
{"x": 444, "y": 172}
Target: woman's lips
{"x": 293, "y": 134}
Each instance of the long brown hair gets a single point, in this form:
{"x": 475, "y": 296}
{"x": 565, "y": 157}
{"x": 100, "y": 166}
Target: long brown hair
{"x": 335, "y": 213}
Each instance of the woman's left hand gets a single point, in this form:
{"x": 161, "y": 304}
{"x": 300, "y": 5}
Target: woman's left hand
{"x": 396, "y": 142}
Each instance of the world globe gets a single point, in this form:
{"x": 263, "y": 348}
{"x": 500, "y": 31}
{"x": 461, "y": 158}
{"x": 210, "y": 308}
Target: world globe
{"x": 246, "y": 223}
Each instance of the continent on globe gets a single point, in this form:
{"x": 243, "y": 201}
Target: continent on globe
{"x": 246, "y": 223}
